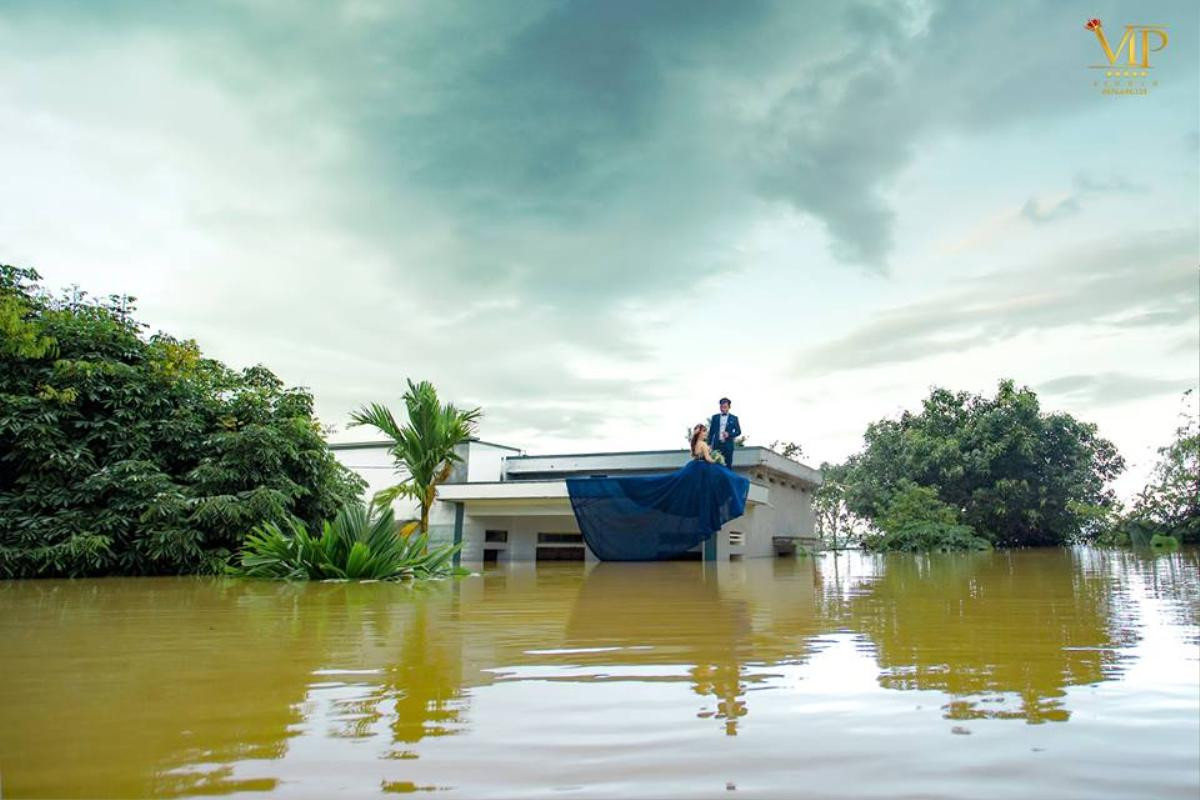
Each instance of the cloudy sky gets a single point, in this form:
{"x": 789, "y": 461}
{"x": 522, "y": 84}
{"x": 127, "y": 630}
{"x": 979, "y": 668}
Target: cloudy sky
{"x": 594, "y": 218}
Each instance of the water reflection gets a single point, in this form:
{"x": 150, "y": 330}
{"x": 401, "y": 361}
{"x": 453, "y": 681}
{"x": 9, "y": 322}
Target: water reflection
{"x": 1002, "y": 634}
{"x": 1172, "y": 579}
{"x": 671, "y": 616}
{"x": 136, "y": 678}
{"x": 403, "y": 669}
{"x": 520, "y": 679}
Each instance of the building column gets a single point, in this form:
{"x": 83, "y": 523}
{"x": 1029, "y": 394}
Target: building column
{"x": 458, "y": 532}
{"x": 710, "y": 547}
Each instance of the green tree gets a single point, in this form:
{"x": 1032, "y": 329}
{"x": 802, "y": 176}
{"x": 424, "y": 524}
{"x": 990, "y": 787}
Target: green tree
{"x": 836, "y": 524}
{"x": 1169, "y": 505}
{"x": 127, "y": 454}
{"x": 425, "y": 447}
{"x": 1013, "y": 474}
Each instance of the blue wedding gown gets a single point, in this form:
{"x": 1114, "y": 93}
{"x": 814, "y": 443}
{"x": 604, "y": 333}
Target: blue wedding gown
{"x": 655, "y": 517}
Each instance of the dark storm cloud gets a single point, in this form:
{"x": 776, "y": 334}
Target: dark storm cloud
{"x": 527, "y": 171}
{"x": 568, "y": 121}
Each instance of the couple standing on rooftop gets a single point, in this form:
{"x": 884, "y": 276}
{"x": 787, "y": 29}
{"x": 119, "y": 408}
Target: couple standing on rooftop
{"x": 717, "y": 436}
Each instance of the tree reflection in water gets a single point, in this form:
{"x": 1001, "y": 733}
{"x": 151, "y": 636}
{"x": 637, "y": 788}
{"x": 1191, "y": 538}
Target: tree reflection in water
{"x": 1003, "y": 634}
{"x": 412, "y": 651}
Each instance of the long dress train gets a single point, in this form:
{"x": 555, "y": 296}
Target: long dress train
{"x": 654, "y": 517}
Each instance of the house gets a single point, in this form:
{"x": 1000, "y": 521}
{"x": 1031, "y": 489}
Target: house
{"x": 505, "y": 505}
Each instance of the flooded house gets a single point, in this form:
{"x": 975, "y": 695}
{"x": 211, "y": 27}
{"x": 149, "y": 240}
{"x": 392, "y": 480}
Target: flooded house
{"x": 506, "y": 505}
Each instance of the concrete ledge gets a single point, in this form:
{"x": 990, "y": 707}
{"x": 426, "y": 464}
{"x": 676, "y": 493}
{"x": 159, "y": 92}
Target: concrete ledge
{"x": 501, "y": 491}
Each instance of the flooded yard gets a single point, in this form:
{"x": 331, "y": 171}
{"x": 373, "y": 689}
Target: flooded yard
{"x": 1056, "y": 673}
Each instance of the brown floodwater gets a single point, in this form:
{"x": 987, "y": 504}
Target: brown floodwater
{"x": 1056, "y": 673}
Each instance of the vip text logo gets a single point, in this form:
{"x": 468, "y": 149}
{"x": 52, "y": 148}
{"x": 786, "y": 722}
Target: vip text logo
{"x": 1128, "y": 68}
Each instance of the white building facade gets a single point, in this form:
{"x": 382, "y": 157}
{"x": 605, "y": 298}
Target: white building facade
{"x": 505, "y": 506}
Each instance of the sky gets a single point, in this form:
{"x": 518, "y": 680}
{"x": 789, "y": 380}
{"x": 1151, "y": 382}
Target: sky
{"x": 594, "y": 219}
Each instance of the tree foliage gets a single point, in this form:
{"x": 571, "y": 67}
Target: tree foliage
{"x": 1169, "y": 505}
{"x": 1014, "y": 475}
{"x": 425, "y": 448}
{"x": 787, "y": 449}
{"x": 127, "y": 454}
{"x": 917, "y": 521}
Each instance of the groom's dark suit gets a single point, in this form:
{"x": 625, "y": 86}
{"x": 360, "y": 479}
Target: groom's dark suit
{"x": 732, "y": 431}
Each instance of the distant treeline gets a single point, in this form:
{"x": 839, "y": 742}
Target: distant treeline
{"x": 973, "y": 472}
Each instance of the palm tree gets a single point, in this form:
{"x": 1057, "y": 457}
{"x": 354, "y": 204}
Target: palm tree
{"x": 424, "y": 447}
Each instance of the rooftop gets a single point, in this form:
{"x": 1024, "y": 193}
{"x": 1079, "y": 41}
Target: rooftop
{"x": 515, "y": 466}
{"x": 636, "y": 461}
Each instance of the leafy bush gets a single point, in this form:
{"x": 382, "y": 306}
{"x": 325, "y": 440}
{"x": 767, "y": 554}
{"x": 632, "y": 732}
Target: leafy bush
{"x": 127, "y": 454}
{"x": 355, "y": 545}
{"x": 925, "y": 537}
{"x": 916, "y": 521}
{"x": 1160, "y": 541}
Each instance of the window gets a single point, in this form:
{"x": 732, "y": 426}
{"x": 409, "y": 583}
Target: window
{"x": 557, "y": 553}
{"x": 560, "y": 538}
{"x": 495, "y": 536}
{"x": 560, "y": 547}
{"x": 491, "y": 555}
{"x": 737, "y": 539}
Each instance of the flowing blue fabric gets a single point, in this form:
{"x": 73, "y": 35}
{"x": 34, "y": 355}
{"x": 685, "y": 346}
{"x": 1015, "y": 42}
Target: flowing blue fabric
{"x": 655, "y": 517}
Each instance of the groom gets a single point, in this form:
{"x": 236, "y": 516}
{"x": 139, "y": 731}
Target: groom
{"x": 723, "y": 428}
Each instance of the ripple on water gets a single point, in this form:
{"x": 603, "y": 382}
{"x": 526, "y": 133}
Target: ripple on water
{"x": 1031, "y": 673}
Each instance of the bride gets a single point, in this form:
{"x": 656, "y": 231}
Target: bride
{"x": 659, "y": 516}
{"x": 700, "y": 449}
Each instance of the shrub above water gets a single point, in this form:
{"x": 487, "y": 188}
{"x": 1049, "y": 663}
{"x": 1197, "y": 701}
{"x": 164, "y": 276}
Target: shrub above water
{"x": 355, "y": 545}
{"x": 916, "y": 521}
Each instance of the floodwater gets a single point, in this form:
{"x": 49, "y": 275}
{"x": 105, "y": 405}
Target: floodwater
{"x": 1056, "y": 674}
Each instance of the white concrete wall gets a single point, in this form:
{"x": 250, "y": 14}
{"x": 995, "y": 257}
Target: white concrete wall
{"x": 374, "y": 464}
{"x": 485, "y": 462}
{"x": 788, "y": 513}
{"x": 522, "y": 536}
